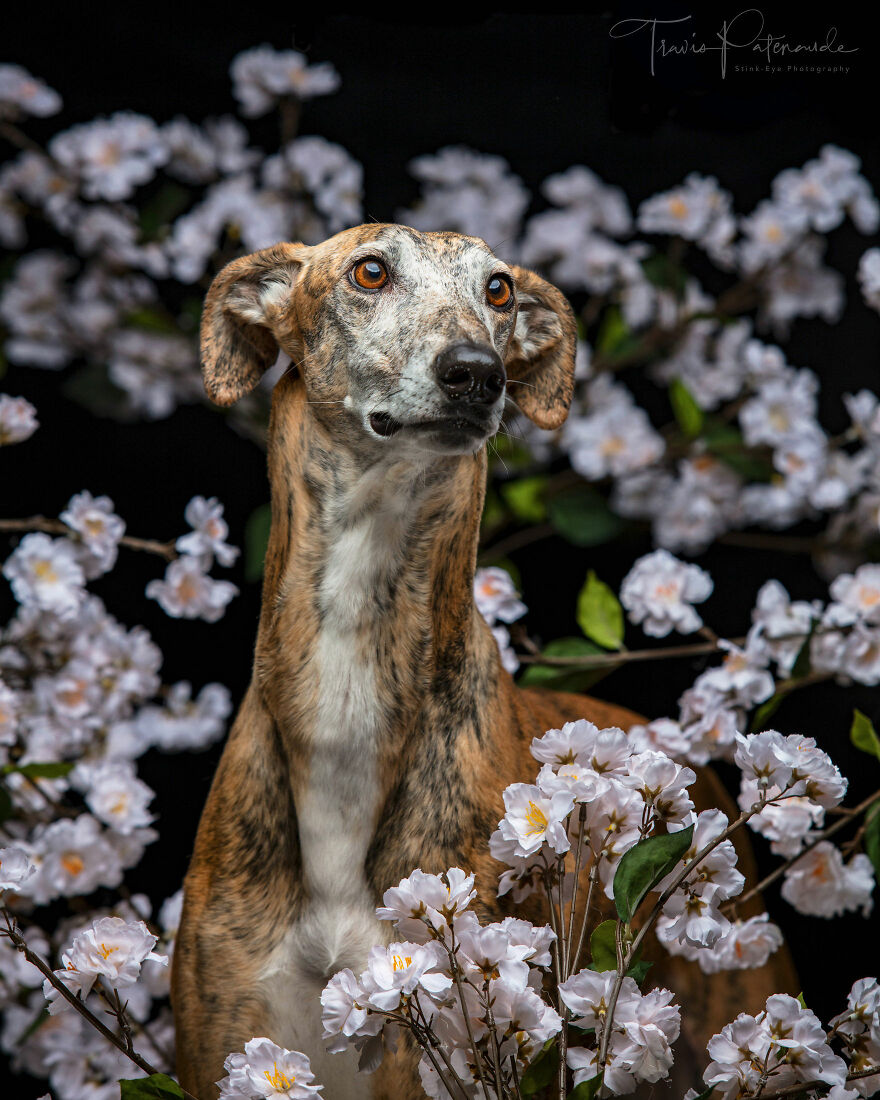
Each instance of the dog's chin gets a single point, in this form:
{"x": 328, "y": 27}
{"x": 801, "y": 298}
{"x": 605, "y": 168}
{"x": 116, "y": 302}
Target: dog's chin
{"x": 449, "y": 435}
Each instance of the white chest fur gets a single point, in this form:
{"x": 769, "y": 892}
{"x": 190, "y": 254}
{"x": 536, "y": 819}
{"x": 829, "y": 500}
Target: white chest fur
{"x": 338, "y": 805}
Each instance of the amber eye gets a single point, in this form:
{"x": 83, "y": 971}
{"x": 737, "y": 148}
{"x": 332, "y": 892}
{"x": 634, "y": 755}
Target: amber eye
{"x": 499, "y": 292}
{"x": 371, "y": 274}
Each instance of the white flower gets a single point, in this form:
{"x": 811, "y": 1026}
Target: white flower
{"x": 397, "y": 970}
{"x": 780, "y": 626}
{"x": 325, "y": 174}
{"x": 509, "y": 659}
{"x": 698, "y": 211}
{"x": 155, "y": 370}
{"x": 858, "y": 595}
{"x": 111, "y": 157}
{"x": 18, "y": 419}
{"x": 75, "y": 857}
{"x": 786, "y": 823}
{"x": 661, "y": 783}
{"x": 262, "y": 76}
{"x": 742, "y": 678}
{"x": 746, "y": 945}
{"x": 792, "y": 764}
{"x": 15, "y": 868}
{"x": 184, "y": 722}
{"x": 468, "y": 192}
{"x": 208, "y": 537}
{"x": 769, "y": 233}
{"x": 422, "y": 901}
{"x": 650, "y": 1025}
{"x": 659, "y": 592}
{"x": 781, "y": 408}
{"x": 614, "y": 440}
{"x": 869, "y": 277}
{"x": 268, "y": 1070}
{"x": 587, "y": 993}
{"x": 345, "y": 1013}
{"x": 821, "y": 885}
{"x": 187, "y": 592}
{"x": 112, "y": 948}
{"x": 99, "y": 529}
{"x": 662, "y": 735}
{"x": 737, "y": 1053}
{"x": 21, "y": 93}
{"x": 45, "y": 574}
{"x": 573, "y": 744}
{"x": 496, "y": 596}
{"x": 114, "y": 794}
{"x": 533, "y": 820}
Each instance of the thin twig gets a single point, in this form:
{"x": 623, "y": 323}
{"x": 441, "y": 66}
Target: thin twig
{"x": 807, "y": 1086}
{"x": 603, "y": 660}
{"x": 845, "y": 820}
{"x": 35, "y": 960}
{"x": 165, "y": 550}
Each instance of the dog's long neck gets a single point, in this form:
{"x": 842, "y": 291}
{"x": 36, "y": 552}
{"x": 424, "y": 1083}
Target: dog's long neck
{"x": 368, "y": 637}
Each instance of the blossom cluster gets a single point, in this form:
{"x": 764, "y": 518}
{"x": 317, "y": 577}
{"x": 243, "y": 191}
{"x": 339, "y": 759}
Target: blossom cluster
{"x": 498, "y": 602}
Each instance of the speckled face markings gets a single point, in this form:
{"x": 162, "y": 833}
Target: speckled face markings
{"x": 372, "y": 353}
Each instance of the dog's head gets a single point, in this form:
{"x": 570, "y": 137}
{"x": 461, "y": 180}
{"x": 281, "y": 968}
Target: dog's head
{"x": 401, "y": 338}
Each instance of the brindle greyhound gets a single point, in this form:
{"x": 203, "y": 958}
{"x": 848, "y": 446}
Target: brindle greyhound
{"x": 380, "y": 728}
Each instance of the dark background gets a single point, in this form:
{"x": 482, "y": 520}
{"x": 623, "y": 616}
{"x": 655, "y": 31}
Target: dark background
{"x": 544, "y": 91}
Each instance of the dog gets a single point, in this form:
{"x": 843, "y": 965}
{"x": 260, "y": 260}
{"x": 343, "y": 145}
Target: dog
{"x": 379, "y": 729}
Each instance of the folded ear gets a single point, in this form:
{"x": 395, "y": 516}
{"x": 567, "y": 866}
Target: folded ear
{"x": 245, "y": 304}
{"x": 542, "y": 350}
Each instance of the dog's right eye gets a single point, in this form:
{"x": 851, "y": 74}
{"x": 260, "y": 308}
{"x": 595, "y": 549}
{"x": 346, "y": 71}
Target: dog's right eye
{"x": 370, "y": 274}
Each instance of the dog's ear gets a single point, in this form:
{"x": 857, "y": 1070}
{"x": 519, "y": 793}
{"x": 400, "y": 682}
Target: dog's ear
{"x": 541, "y": 350}
{"x": 244, "y": 307}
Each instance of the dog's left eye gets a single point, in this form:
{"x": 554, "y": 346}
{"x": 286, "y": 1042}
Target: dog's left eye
{"x": 371, "y": 274}
{"x": 499, "y": 292}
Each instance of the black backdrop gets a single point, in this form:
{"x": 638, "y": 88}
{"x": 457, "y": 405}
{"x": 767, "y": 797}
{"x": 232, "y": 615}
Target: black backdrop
{"x": 545, "y": 91}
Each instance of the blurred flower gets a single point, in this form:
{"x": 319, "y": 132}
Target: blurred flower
{"x": 18, "y": 419}
{"x": 262, "y": 76}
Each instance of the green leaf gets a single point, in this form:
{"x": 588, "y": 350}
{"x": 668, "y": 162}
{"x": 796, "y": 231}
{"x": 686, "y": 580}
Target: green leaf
{"x": 802, "y": 666}
{"x": 494, "y": 512}
{"x": 603, "y": 950}
{"x": 872, "y": 836}
{"x": 5, "y": 804}
{"x": 615, "y": 337}
{"x": 256, "y": 539}
{"x": 688, "y": 413}
{"x": 765, "y": 711}
{"x": 586, "y": 1090}
{"x": 55, "y": 769}
{"x": 582, "y": 516}
{"x": 800, "y": 1000}
{"x": 639, "y": 970}
{"x": 664, "y": 272}
{"x": 726, "y": 443}
{"x": 603, "y": 946}
{"x": 151, "y": 320}
{"x": 539, "y": 1073}
{"x": 706, "y": 1093}
{"x": 599, "y": 614}
{"x": 564, "y": 679}
{"x": 863, "y": 735}
{"x": 525, "y": 498}
{"x": 170, "y": 200}
{"x": 159, "y": 1086}
{"x": 643, "y": 866}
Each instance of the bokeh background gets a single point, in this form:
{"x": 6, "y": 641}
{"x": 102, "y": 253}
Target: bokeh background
{"x": 544, "y": 91}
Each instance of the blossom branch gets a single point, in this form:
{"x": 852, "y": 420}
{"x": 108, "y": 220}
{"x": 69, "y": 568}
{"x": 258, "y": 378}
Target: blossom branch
{"x": 123, "y": 1045}
{"x": 165, "y": 550}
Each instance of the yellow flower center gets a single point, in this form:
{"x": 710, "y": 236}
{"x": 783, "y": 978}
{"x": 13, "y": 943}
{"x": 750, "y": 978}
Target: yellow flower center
{"x": 400, "y": 962}
{"x": 772, "y": 232}
{"x": 72, "y": 863}
{"x": 678, "y": 208}
{"x": 45, "y": 572}
{"x": 277, "y": 1079}
{"x": 536, "y": 819}
{"x": 105, "y": 951}
{"x": 869, "y": 597}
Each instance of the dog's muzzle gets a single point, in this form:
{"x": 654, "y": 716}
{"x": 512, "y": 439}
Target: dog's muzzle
{"x": 470, "y": 373}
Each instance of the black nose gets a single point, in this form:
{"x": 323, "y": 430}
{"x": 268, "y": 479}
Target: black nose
{"x": 471, "y": 373}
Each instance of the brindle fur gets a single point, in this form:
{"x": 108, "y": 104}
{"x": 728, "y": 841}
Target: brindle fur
{"x": 451, "y": 729}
